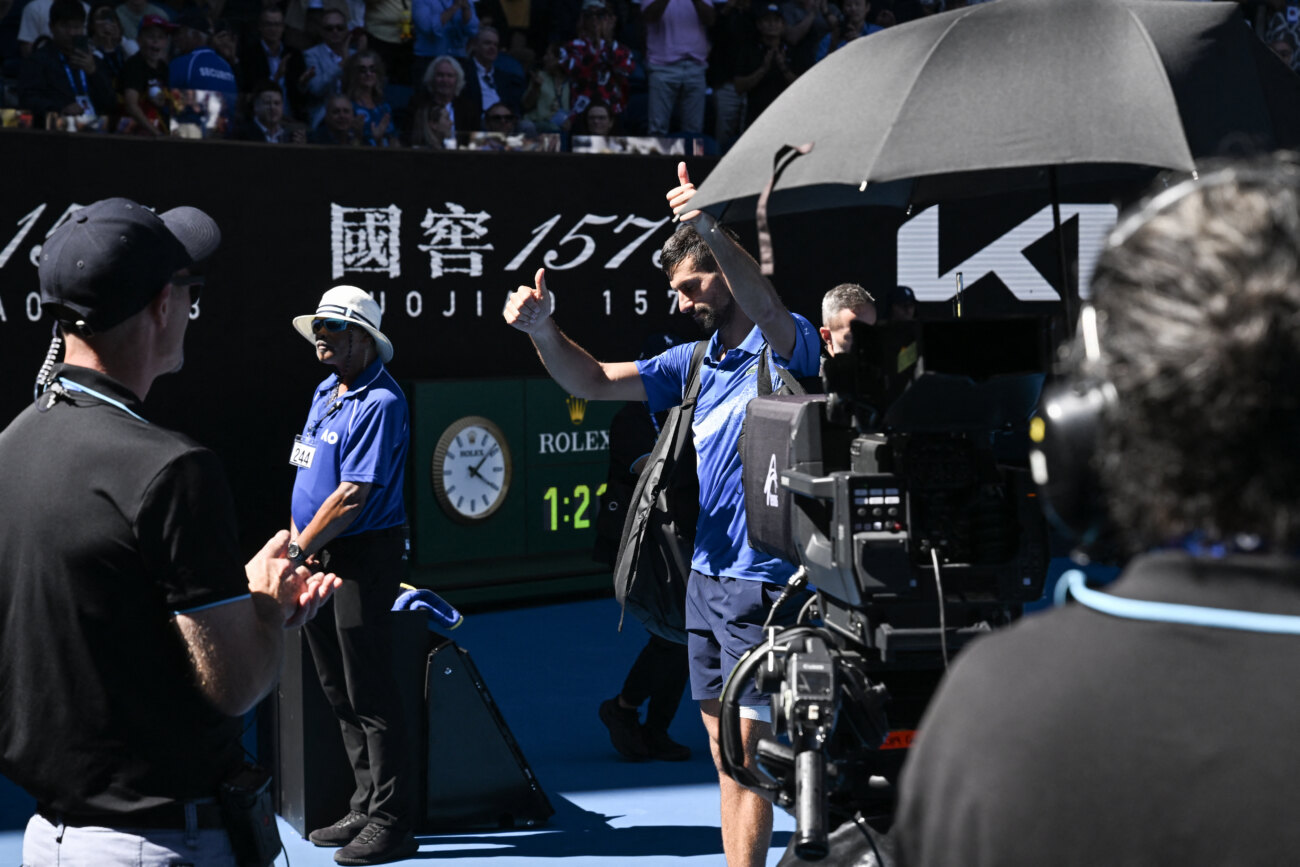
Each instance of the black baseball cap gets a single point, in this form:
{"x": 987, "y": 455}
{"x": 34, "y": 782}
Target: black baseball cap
{"x": 113, "y": 257}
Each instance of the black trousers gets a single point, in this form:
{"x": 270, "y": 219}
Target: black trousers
{"x": 351, "y": 642}
{"x": 660, "y": 674}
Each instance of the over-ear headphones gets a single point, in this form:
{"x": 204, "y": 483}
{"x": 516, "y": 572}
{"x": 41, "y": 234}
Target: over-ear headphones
{"x": 1063, "y": 438}
{"x": 1064, "y": 433}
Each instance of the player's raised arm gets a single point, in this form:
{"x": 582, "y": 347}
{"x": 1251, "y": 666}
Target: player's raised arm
{"x": 753, "y": 292}
{"x": 529, "y": 309}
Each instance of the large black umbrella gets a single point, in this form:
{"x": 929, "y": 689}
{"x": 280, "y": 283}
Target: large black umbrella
{"x": 1009, "y": 95}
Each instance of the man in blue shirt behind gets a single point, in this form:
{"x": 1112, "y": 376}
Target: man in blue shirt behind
{"x": 732, "y": 586}
{"x": 197, "y": 66}
{"x": 348, "y": 511}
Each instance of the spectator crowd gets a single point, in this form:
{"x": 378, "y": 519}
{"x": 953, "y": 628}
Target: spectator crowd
{"x": 433, "y": 73}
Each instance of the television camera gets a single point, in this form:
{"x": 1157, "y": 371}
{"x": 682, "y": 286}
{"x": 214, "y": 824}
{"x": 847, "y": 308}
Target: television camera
{"x": 902, "y": 494}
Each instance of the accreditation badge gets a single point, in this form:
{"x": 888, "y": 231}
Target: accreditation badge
{"x": 303, "y": 453}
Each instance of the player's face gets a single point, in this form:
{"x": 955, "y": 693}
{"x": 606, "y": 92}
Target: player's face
{"x": 703, "y": 295}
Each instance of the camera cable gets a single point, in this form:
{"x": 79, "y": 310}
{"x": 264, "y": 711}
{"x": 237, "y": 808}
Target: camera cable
{"x": 797, "y": 582}
{"x": 862, "y": 825}
{"x": 46, "y": 374}
{"x": 943, "y": 623}
{"x": 731, "y": 745}
{"x": 806, "y": 612}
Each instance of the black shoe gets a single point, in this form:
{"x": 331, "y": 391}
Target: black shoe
{"x": 663, "y": 748}
{"x": 378, "y": 844}
{"x": 624, "y": 730}
{"x": 341, "y": 832}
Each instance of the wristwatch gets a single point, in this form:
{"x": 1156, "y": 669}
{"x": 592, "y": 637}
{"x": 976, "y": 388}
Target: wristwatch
{"x": 296, "y": 554}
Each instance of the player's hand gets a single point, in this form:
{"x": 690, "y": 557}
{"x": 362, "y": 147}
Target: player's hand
{"x": 528, "y": 307}
{"x": 680, "y": 195}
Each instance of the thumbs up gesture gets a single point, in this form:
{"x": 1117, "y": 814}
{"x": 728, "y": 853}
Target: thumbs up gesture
{"x": 529, "y": 307}
{"x": 679, "y": 195}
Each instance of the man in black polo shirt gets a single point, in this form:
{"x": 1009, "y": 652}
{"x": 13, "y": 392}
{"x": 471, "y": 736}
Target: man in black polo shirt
{"x": 131, "y": 637}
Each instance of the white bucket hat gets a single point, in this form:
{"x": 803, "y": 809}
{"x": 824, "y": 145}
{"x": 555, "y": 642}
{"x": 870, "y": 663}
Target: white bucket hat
{"x": 351, "y": 305}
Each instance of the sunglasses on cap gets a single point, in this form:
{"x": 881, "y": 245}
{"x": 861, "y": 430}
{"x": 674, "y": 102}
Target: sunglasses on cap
{"x": 333, "y": 326}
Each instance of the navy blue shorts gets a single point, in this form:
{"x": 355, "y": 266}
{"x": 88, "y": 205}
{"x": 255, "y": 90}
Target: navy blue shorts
{"x": 724, "y": 619}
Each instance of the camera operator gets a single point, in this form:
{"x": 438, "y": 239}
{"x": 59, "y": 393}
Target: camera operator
{"x": 731, "y": 586}
{"x": 1155, "y": 722}
{"x": 841, "y": 307}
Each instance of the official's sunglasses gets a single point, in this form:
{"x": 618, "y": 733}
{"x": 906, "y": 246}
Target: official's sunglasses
{"x": 333, "y": 326}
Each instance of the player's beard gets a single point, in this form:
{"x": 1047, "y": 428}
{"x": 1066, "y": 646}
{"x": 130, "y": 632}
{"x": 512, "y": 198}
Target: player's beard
{"x": 710, "y": 318}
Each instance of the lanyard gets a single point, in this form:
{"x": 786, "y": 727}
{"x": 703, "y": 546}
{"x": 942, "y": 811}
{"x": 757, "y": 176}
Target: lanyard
{"x": 321, "y": 419}
{"x": 85, "y": 90}
{"x": 1169, "y": 612}
{"x": 72, "y": 386}
{"x": 337, "y": 405}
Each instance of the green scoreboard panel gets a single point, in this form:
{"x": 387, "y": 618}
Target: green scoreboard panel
{"x": 504, "y": 484}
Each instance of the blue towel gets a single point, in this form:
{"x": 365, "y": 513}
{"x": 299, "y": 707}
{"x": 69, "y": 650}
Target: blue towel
{"x": 440, "y": 611}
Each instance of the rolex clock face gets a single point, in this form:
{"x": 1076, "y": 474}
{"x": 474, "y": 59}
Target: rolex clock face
{"x": 471, "y": 469}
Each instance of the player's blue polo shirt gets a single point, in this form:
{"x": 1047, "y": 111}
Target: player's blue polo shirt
{"x": 363, "y": 439}
{"x": 726, "y": 388}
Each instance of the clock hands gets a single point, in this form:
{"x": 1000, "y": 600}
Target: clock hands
{"x": 473, "y": 471}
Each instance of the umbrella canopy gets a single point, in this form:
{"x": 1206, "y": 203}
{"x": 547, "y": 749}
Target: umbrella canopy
{"x": 1015, "y": 85}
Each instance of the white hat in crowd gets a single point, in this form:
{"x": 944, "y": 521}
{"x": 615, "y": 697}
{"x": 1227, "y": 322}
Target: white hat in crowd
{"x": 351, "y": 305}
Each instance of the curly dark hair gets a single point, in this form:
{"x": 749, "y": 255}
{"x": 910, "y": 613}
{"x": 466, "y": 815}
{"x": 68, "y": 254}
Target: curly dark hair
{"x": 686, "y": 245}
{"x": 1198, "y": 307}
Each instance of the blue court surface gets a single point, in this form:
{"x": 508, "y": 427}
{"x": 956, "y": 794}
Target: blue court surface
{"x": 548, "y": 669}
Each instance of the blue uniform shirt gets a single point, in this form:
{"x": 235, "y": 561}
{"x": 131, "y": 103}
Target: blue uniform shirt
{"x": 364, "y": 440}
{"x": 726, "y": 388}
{"x": 203, "y": 69}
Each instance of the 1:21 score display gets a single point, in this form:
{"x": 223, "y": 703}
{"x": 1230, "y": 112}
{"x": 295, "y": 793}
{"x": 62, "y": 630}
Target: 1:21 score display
{"x": 570, "y": 510}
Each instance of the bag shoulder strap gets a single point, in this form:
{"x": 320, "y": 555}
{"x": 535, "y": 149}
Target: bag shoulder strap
{"x": 693, "y": 377}
{"x": 765, "y": 366}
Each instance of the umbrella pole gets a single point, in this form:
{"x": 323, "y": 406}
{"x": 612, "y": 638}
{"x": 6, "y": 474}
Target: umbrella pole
{"x": 1068, "y": 292}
